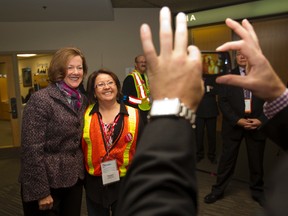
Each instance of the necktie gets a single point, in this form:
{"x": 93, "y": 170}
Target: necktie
{"x": 247, "y": 93}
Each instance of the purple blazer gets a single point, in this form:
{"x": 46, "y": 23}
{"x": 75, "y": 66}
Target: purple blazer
{"x": 51, "y": 154}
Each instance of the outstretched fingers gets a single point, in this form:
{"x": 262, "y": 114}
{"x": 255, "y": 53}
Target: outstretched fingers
{"x": 147, "y": 44}
{"x": 235, "y": 80}
{"x": 166, "y": 35}
{"x": 181, "y": 34}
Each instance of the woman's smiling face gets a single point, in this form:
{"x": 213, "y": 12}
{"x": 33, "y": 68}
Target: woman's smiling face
{"x": 74, "y": 72}
{"x": 105, "y": 88}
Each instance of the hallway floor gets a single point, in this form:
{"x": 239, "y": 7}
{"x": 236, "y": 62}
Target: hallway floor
{"x": 237, "y": 200}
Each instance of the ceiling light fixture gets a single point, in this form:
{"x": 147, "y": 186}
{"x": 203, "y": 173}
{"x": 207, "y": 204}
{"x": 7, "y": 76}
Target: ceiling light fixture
{"x": 26, "y": 55}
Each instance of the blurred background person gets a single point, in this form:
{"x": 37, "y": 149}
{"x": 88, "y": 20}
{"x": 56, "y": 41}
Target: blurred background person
{"x": 206, "y": 118}
{"x": 111, "y": 132}
{"x": 242, "y": 116}
{"x": 30, "y": 92}
{"x": 52, "y": 170}
{"x": 136, "y": 88}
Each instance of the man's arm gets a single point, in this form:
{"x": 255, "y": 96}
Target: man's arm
{"x": 161, "y": 179}
{"x": 128, "y": 89}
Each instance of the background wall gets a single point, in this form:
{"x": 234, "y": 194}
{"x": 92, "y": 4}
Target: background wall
{"x": 109, "y": 44}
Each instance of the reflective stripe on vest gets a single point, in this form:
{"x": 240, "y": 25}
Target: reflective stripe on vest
{"x": 123, "y": 156}
{"x": 142, "y": 101}
{"x": 132, "y": 129}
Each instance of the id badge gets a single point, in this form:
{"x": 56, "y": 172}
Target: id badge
{"x": 110, "y": 172}
{"x": 248, "y": 105}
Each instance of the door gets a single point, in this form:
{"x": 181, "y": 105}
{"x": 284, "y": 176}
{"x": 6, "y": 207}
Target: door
{"x": 10, "y": 102}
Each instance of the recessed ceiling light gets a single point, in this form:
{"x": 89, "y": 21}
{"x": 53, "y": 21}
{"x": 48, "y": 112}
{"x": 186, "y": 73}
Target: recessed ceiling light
{"x": 26, "y": 55}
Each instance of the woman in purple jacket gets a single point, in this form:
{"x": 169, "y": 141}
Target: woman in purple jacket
{"x": 52, "y": 168}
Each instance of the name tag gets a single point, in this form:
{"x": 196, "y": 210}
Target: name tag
{"x": 248, "y": 105}
{"x": 110, "y": 172}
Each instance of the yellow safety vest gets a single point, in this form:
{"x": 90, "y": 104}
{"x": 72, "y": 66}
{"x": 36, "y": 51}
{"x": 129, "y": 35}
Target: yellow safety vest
{"x": 93, "y": 144}
{"x": 143, "y": 91}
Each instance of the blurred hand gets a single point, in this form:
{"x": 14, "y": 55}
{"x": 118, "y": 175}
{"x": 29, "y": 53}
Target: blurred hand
{"x": 253, "y": 124}
{"x": 261, "y": 79}
{"x": 176, "y": 72}
{"x": 45, "y": 203}
{"x": 249, "y": 124}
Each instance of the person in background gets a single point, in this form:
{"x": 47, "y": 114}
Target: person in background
{"x": 136, "y": 88}
{"x": 161, "y": 179}
{"x": 52, "y": 171}
{"x": 206, "y": 117}
{"x": 111, "y": 132}
{"x": 82, "y": 89}
{"x": 30, "y": 92}
{"x": 242, "y": 117}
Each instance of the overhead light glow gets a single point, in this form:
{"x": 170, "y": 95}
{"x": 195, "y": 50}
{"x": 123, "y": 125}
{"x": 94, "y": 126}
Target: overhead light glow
{"x": 26, "y": 55}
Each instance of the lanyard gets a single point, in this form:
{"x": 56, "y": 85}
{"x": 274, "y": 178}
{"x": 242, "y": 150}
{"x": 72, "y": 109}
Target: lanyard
{"x": 108, "y": 131}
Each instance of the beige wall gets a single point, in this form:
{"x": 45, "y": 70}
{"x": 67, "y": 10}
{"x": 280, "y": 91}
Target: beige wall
{"x": 274, "y": 43}
{"x": 110, "y": 44}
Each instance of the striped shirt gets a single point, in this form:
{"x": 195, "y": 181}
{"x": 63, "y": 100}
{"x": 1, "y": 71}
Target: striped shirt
{"x": 270, "y": 109}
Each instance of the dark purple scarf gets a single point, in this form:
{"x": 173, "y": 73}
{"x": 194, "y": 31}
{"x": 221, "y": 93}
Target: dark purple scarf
{"x": 73, "y": 95}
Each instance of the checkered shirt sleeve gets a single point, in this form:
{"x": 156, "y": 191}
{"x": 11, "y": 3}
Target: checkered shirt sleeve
{"x": 270, "y": 109}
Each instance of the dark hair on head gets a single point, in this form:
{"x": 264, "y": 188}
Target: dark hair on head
{"x": 91, "y": 85}
{"x": 58, "y": 66}
{"x": 136, "y": 58}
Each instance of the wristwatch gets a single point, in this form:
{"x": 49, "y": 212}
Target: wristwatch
{"x": 172, "y": 107}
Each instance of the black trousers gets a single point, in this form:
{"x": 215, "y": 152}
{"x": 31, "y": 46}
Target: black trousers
{"x": 228, "y": 159}
{"x": 66, "y": 202}
{"x": 210, "y": 125}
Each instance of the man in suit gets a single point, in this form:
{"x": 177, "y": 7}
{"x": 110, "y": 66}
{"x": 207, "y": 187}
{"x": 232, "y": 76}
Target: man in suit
{"x": 161, "y": 179}
{"x": 206, "y": 117}
{"x": 242, "y": 116}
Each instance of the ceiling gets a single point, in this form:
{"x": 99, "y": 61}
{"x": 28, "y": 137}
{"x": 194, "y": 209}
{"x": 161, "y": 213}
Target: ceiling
{"x": 94, "y": 10}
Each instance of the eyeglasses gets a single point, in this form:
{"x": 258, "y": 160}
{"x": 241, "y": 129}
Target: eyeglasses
{"x": 101, "y": 85}
{"x": 72, "y": 68}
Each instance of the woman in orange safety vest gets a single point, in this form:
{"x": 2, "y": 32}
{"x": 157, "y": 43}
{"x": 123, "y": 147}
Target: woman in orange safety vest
{"x": 110, "y": 134}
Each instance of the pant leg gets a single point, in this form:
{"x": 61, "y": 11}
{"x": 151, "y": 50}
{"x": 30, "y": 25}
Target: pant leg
{"x": 200, "y": 125}
{"x": 72, "y": 200}
{"x": 211, "y": 136}
{"x": 95, "y": 209}
{"x": 255, "y": 152}
{"x": 226, "y": 164}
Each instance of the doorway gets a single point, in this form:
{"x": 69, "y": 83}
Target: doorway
{"x": 9, "y": 104}
{"x": 19, "y": 76}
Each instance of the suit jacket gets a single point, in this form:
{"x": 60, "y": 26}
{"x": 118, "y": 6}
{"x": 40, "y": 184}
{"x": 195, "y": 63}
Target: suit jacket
{"x": 161, "y": 179}
{"x": 277, "y": 130}
{"x": 128, "y": 89}
{"x": 232, "y": 106}
{"x": 208, "y": 106}
{"x": 51, "y": 154}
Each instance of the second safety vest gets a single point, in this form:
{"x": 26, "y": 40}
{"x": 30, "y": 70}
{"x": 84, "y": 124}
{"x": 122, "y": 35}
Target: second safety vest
{"x": 143, "y": 91}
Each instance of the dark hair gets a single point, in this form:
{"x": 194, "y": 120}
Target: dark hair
{"x": 91, "y": 83}
{"x": 58, "y": 65}
{"x": 136, "y": 58}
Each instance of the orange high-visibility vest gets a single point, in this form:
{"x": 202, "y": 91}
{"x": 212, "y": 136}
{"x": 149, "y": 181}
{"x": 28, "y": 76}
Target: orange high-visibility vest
{"x": 93, "y": 143}
{"x": 143, "y": 92}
